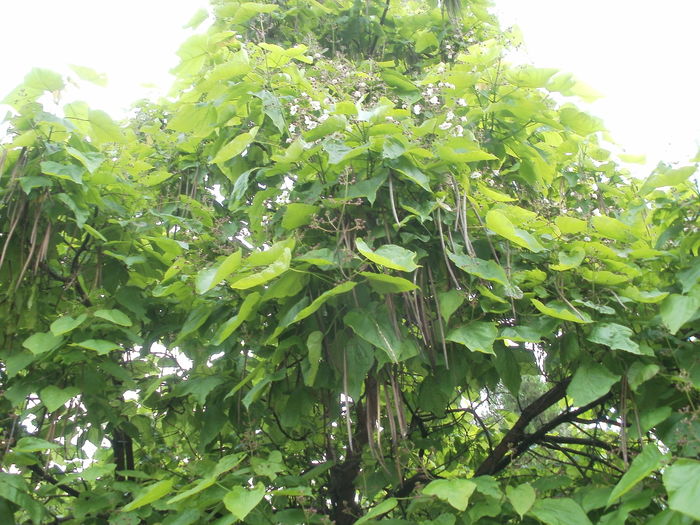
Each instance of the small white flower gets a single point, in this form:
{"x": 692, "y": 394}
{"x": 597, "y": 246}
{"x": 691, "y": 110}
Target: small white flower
{"x": 312, "y": 124}
{"x": 417, "y": 109}
{"x": 357, "y": 94}
{"x": 434, "y": 100}
{"x": 315, "y": 105}
{"x": 450, "y": 115}
{"x": 463, "y": 118}
{"x": 323, "y": 117}
{"x": 461, "y": 102}
{"x": 445, "y": 125}
{"x": 293, "y": 109}
{"x": 362, "y": 84}
{"x": 458, "y": 131}
{"x": 327, "y": 101}
{"x": 429, "y": 92}
{"x": 448, "y": 46}
{"x": 292, "y": 128}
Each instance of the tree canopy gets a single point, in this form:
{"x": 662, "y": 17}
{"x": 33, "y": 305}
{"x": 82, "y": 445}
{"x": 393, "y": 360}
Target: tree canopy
{"x": 358, "y": 268}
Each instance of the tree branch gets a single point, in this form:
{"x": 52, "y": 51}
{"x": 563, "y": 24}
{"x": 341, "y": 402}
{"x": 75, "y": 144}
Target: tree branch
{"x": 516, "y": 448}
{"x": 48, "y": 477}
{"x": 493, "y": 463}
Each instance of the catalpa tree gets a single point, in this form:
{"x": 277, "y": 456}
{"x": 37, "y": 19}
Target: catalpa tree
{"x": 358, "y": 268}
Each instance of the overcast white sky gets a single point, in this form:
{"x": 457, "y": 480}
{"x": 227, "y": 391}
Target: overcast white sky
{"x": 640, "y": 54}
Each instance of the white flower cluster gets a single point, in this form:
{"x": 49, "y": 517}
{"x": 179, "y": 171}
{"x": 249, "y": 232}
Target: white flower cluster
{"x": 304, "y": 113}
{"x": 432, "y": 95}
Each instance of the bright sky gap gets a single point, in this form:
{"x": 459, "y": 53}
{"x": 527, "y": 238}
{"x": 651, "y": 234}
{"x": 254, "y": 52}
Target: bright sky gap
{"x": 636, "y": 53}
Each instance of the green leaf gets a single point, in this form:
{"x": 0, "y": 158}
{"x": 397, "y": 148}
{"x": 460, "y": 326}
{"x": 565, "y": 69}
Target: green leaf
{"x": 376, "y": 329}
{"x": 488, "y": 270}
{"x": 644, "y": 464}
{"x": 615, "y": 336}
{"x": 18, "y": 362}
{"x": 240, "y": 501}
{"x": 277, "y": 268}
{"x": 383, "y": 283}
{"x": 399, "y": 82}
{"x": 203, "y": 484}
{"x": 272, "y": 107}
{"x": 101, "y": 346}
{"x": 590, "y": 382}
{"x": 469, "y": 152}
{"x": 54, "y": 397}
{"x": 198, "y": 387}
{"x": 531, "y": 77}
{"x": 571, "y": 260}
{"x": 90, "y": 159}
{"x": 521, "y": 497}
{"x": 330, "y": 125}
{"x": 32, "y": 444}
{"x": 248, "y": 307}
{"x": 561, "y": 311}
{"x": 66, "y": 324}
{"x": 500, "y": 224}
{"x": 198, "y": 119}
{"x": 235, "y": 146}
{"x": 682, "y": 482}
{"x": 449, "y": 302}
{"x": 612, "y": 228}
{"x": 559, "y": 511}
{"x": 298, "y": 214}
{"x": 268, "y": 467}
{"x": 196, "y": 318}
{"x": 211, "y": 277}
{"x": 366, "y": 188}
{"x": 409, "y": 170}
{"x": 42, "y": 342}
{"x": 676, "y": 310}
{"x": 389, "y": 256}
{"x": 314, "y": 347}
{"x": 639, "y": 373}
{"x": 665, "y": 176}
{"x": 384, "y": 507}
{"x": 521, "y": 334}
{"x": 456, "y": 492}
{"x": 478, "y": 336}
{"x": 114, "y": 316}
{"x": 570, "y": 225}
{"x": 580, "y": 122}
{"x": 321, "y": 299}
{"x": 69, "y": 172}
{"x": 603, "y": 277}
{"x": 426, "y": 40}
{"x": 150, "y": 494}
{"x": 89, "y": 74}
{"x": 44, "y": 80}
{"x": 690, "y": 276}
{"x": 312, "y": 308}
{"x": 651, "y": 296}
{"x": 104, "y": 128}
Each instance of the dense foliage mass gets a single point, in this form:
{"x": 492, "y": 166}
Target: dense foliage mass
{"x": 359, "y": 269}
